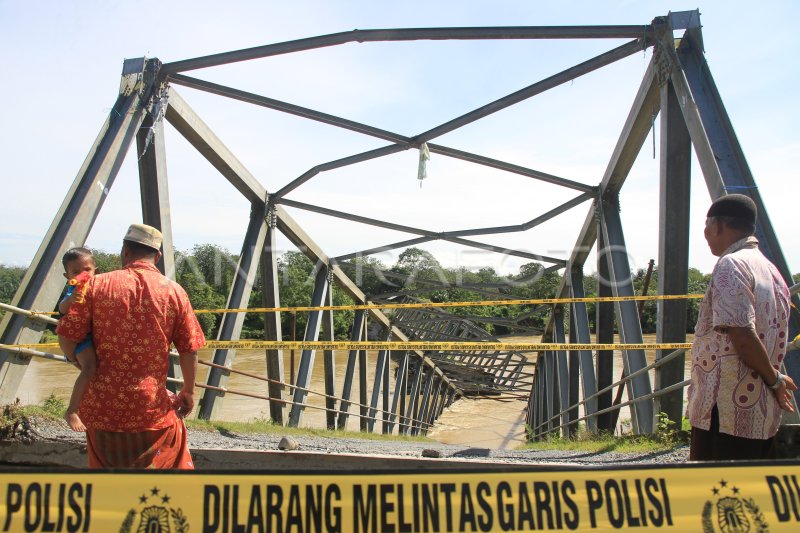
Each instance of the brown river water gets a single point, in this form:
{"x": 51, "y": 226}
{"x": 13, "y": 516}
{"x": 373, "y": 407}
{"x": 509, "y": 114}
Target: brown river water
{"x": 482, "y": 423}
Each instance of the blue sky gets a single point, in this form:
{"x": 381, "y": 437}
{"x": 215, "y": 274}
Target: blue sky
{"x": 62, "y": 63}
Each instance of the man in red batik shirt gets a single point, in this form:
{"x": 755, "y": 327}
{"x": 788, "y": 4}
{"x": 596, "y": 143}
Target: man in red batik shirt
{"x": 134, "y": 315}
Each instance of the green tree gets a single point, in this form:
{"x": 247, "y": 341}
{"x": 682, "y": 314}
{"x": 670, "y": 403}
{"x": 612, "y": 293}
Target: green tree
{"x": 698, "y": 283}
{"x": 10, "y": 279}
{"x": 105, "y": 261}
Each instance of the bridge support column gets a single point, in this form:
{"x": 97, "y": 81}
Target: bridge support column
{"x": 231, "y": 326}
{"x": 270, "y": 297}
{"x": 43, "y": 283}
{"x": 627, "y": 315}
{"x": 306, "y": 366}
{"x": 673, "y": 248}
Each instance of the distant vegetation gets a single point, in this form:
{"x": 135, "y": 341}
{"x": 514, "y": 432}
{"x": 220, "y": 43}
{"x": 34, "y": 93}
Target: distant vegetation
{"x": 207, "y": 271}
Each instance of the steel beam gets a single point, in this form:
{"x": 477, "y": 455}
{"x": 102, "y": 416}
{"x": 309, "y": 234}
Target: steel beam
{"x": 562, "y": 371}
{"x": 399, "y": 391}
{"x": 385, "y": 248}
{"x": 154, "y": 191}
{"x": 508, "y": 167}
{"x": 356, "y": 334}
{"x": 231, "y": 326}
{"x": 339, "y": 163}
{"x": 412, "y": 34}
{"x": 564, "y": 76}
{"x": 408, "y": 425}
{"x": 574, "y": 378}
{"x": 401, "y": 142}
{"x": 385, "y": 415}
{"x": 380, "y": 363}
{"x": 329, "y": 366}
{"x": 270, "y": 297}
{"x": 286, "y": 107}
{"x": 548, "y": 391}
{"x": 604, "y": 323}
{"x": 154, "y": 188}
{"x": 362, "y": 384}
{"x": 42, "y": 283}
{"x": 566, "y": 206}
{"x": 205, "y": 141}
{"x": 306, "y": 366}
{"x": 429, "y": 378}
{"x": 673, "y": 249}
{"x": 630, "y": 329}
{"x": 417, "y": 231}
{"x": 583, "y": 336}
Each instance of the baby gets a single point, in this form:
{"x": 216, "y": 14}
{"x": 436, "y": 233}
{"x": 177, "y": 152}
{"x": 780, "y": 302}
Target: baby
{"x": 78, "y": 267}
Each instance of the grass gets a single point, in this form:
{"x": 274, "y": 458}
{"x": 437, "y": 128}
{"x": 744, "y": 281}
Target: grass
{"x": 665, "y": 439}
{"x": 266, "y": 427}
{"x": 586, "y": 442}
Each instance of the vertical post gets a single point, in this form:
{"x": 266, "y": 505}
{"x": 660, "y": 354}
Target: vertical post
{"x": 385, "y": 392}
{"x": 583, "y": 336}
{"x": 413, "y": 400}
{"x": 42, "y": 284}
{"x": 350, "y": 370}
{"x": 399, "y": 391}
{"x": 604, "y": 323}
{"x": 430, "y": 410}
{"x": 231, "y": 326}
{"x": 673, "y": 247}
{"x": 329, "y": 363}
{"x": 429, "y": 378}
{"x": 547, "y": 391}
{"x": 627, "y": 317}
{"x": 154, "y": 189}
{"x": 380, "y": 364}
{"x": 574, "y": 378}
{"x": 270, "y": 297}
{"x": 531, "y": 419}
{"x": 154, "y": 192}
{"x": 306, "y": 366}
{"x": 562, "y": 370}
{"x": 363, "y": 422}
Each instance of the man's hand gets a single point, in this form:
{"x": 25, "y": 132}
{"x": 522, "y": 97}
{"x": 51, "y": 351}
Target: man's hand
{"x": 184, "y": 403}
{"x": 784, "y": 393}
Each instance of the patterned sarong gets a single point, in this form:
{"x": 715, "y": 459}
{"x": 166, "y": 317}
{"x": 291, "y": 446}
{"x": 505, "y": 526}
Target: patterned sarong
{"x": 161, "y": 448}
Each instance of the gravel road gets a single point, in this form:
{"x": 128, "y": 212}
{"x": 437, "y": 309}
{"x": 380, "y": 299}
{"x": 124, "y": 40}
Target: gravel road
{"x": 46, "y": 430}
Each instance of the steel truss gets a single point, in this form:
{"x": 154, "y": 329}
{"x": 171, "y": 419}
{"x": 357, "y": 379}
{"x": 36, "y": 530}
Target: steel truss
{"x": 677, "y": 84}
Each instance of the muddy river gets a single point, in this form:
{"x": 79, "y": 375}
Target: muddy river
{"x": 484, "y": 423}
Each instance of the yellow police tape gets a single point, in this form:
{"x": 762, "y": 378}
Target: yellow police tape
{"x": 413, "y": 345}
{"x": 427, "y": 305}
{"x": 723, "y": 498}
{"x": 424, "y": 305}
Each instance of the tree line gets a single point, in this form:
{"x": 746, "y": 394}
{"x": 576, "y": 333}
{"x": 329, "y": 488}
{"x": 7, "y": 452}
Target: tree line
{"x": 207, "y": 271}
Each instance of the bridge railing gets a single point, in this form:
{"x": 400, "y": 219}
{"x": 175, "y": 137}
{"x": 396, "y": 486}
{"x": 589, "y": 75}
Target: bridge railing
{"x": 548, "y": 417}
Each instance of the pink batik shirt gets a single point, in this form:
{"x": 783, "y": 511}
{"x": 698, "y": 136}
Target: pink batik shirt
{"x": 746, "y": 290}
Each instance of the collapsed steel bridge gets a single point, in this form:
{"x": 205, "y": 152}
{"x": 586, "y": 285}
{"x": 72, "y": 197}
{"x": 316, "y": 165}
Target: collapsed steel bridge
{"x": 677, "y": 84}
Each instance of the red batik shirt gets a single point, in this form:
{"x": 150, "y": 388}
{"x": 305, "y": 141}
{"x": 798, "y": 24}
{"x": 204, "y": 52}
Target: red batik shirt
{"x": 133, "y": 314}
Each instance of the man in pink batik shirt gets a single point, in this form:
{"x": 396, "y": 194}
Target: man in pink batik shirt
{"x": 737, "y": 391}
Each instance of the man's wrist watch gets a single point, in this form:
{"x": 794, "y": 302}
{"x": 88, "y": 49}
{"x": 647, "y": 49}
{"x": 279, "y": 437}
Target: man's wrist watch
{"x": 778, "y": 382}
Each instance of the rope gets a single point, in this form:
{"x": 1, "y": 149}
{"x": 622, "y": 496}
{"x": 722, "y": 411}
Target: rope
{"x": 410, "y": 345}
{"x": 403, "y": 419}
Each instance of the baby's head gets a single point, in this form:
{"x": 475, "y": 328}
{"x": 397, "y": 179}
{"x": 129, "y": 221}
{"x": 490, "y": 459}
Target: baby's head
{"x": 78, "y": 260}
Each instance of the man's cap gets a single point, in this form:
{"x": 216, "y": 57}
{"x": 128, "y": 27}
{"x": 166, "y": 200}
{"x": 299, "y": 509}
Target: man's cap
{"x": 734, "y": 205}
{"x": 145, "y": 235}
